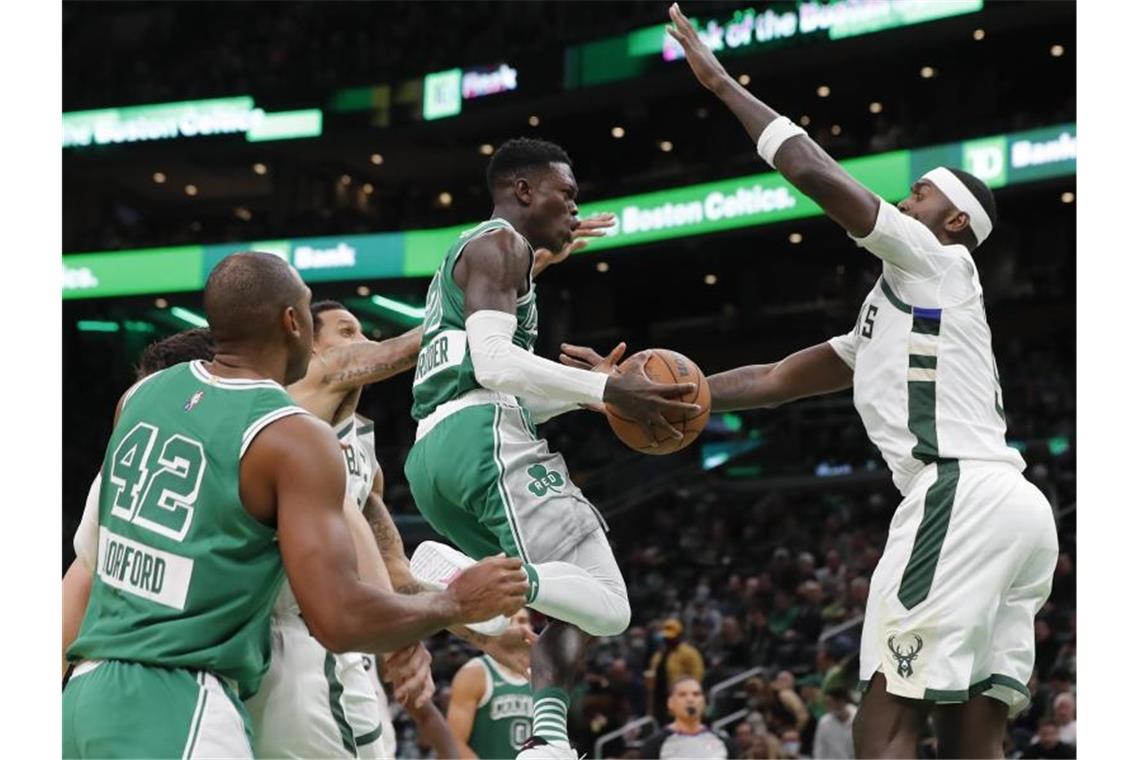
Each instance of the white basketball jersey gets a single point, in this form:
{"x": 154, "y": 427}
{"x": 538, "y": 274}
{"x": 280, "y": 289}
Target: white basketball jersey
{"x": 926, "y": 381}
{"x": 357, "y": 441}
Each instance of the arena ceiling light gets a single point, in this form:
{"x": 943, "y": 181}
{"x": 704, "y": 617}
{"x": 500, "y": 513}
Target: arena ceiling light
{"x": 97, "y": 325}
{"x": 486, "y": 149}
{"x": 795, "y": 238}
{"x": 710, "y": 279}
{"x": 260, "y": 168}
{"x": 602, "y": 266}
{"x": 979, "y": 34}
{"x": 398, "y": 307}
{"x": 617, "y": 133}
{"x": 533, "y": 121}
{"x": 876, "y": 107}
{"x": 363, "y": 290}
{"x": 665, "y": 146}
{"x": 823, "y": 91}
{"x": 805, "y": 120}
{"x": 189, "y": 317}
{"x": 1057, "y": 51}
{"x": 345, "y": 180}
{"x": 191, "y": 190}
{"x": 744, "y": 79}
{"x": 158, "y": 178}
{"x": 376, "y": 159}
{"x": 926, "y": 72}
{"x": 1068, "y": 197}
{"x": 368, "y": 188}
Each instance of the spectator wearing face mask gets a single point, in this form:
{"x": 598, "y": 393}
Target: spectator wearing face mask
{"x": 687, "y": 736}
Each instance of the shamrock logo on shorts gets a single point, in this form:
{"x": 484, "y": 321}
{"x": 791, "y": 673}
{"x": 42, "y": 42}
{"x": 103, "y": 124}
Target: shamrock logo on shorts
{"x": 543, "y": 481}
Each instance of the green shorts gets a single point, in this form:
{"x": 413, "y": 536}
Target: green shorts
{"x": 126, "y": 709}
{"x": 488, "y": 483}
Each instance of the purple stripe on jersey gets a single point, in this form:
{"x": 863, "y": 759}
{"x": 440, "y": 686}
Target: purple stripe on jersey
{"x": 935, "y": 314}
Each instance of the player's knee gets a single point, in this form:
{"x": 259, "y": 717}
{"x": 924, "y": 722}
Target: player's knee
{"x": 615, "y": 619}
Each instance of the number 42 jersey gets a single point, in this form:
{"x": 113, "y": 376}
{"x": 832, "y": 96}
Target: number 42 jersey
{"x": 184, "y": 576}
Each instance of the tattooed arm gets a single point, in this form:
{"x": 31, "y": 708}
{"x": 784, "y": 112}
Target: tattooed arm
{"x": 349, "y": 367}
{"x": 336, "y": 374}
{"x": 511, "y": 649}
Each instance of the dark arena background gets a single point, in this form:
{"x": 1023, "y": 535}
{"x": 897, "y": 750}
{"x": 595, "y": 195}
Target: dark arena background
{"x": 353, "y": 137}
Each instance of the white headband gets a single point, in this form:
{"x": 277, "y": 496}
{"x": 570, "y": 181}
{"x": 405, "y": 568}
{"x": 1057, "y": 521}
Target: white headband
{"x": 963, "y": 200}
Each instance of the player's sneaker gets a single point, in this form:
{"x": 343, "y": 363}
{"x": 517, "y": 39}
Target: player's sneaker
{"x": 437, "y": 565}
{"x": 537, "y": 748}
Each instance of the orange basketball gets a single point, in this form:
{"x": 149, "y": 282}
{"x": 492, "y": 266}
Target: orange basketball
{"x": 665, "y": 366}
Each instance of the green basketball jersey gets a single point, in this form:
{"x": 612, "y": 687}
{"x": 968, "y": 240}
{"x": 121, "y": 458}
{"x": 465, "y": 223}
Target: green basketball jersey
{"x": 503, "y": 718}
{"x": 443, "y": 370}
{"x": 185, "y": 576}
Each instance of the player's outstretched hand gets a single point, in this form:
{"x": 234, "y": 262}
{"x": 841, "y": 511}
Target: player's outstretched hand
{"x": 592, "y": 226}
{"x": 641, "y": 399}
{"x": 494, "y": 586}
{"x": 512, "y": 648}
{"x": 409, "y": 672}
{"x": 705, "y": 66}
{"x": 582, "y": 357}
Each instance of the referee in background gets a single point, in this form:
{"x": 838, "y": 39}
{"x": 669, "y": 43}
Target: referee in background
{"x": 687, "y": 736}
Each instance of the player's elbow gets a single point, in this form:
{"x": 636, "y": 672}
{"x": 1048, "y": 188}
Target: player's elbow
{"x": 334, "y": 630}
{"x": 495, "y": 374}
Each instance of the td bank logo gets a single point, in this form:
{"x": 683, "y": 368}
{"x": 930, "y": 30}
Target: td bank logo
{"x": 986, "y": 160}
{"x": 309, "y": 257}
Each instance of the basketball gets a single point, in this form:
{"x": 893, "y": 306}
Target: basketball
{"x": 665, "y": 366}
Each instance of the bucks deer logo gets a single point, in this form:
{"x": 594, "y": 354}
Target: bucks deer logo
{"x": 905, "y": 656}
{"x": 543, "y": 481}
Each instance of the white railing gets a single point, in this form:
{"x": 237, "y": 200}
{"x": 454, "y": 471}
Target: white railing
{"x": 730, "y": 682}
{"x": 605, "y": 739}
{"x": 729, "y": 719}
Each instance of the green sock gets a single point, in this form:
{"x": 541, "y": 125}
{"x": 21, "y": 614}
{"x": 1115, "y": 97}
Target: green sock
{"x": 550, "y": 707}
{"x": 532, "y": 578}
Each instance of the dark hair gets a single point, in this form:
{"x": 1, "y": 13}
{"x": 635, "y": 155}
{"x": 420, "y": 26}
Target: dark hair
{"x": 188, "y": 345}
{"x": 319, "y": 308}
{"x": 519, "y": 154}
{"x": 840, "y": 693}
{"x": 246, "y": 294}
{"x": 982, "y": 193}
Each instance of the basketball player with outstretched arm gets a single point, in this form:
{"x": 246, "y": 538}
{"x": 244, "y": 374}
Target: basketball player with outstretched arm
{"x": 971, "y": 551}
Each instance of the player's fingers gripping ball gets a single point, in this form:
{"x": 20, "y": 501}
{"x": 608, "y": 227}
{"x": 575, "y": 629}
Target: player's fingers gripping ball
{"x": 665, "y": 366}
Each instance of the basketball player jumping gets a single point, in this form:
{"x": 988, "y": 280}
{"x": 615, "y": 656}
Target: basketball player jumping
{"x": 478, "y": 471}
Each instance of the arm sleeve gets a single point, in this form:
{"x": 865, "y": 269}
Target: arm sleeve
{"x": 543, "y": 409}
{"x": 86, "y": 539}
{"x": 502, "y": 366}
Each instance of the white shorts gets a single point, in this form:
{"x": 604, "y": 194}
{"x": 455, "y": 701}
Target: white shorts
{"x": 388, "y": 731}
{"x": 968, "y": 563}
{"x": 313, "y": 703}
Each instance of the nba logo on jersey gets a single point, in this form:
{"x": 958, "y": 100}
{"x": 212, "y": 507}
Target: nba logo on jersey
{"x": 193, "y": 402}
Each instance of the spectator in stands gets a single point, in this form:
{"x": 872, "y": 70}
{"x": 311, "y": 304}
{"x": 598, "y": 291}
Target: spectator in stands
{"x": 729, "y": 653}
{"x": 745, "y": 737}
{"x": 1047, "y": 744}
{"x": 790, "y": 745}
{"x": 775, "y": 707}
{"x": 674, "y": 660}
{"x": 833, "y": 738}
{"x": 687, "y": 736}
{"x": 833, "y": 575}
{"x": 1065, "y": 713}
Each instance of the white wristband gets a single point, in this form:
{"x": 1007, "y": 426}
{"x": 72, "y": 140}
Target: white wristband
{"x": 774, "y": 135}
